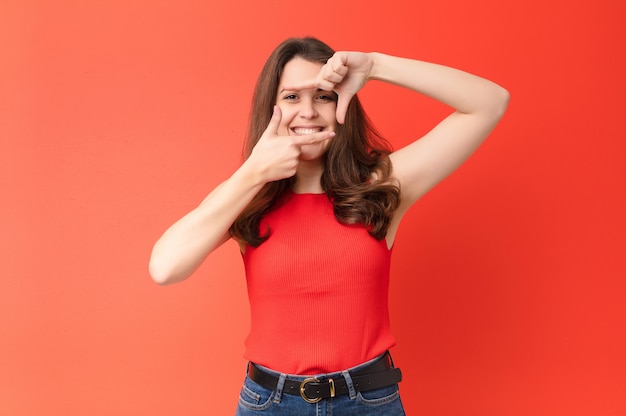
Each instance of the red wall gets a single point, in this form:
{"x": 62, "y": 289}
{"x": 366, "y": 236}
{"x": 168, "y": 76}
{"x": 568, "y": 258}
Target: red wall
{"x": 117, "y": 117}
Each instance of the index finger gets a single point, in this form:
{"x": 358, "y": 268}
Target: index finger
{"x": 303, "y": 85}
{"x": 313, "y": 138}
{"x": 324, "y": 85}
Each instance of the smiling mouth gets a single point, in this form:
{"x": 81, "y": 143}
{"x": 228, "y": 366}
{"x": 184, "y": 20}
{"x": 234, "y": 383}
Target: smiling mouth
{"x": 309, "y": 130}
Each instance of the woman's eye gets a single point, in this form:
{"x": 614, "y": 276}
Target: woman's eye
{"x": 290, "y": 97}
{"x": 326, "y": 97}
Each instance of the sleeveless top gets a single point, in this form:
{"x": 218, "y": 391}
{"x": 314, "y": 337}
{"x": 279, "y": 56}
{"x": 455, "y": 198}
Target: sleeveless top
{"x": 318, "y": 290}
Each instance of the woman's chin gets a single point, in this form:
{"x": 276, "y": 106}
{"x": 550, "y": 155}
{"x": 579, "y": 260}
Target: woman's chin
{"x": 312, "y": 152}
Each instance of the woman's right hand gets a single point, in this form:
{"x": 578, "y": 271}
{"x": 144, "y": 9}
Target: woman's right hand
{"x": 276, "y": 156}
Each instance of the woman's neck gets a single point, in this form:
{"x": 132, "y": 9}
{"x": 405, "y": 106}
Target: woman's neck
{"x": 308, "y": 177}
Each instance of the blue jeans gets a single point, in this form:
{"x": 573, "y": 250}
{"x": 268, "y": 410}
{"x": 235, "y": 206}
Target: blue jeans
{"x": 255, "y": 400}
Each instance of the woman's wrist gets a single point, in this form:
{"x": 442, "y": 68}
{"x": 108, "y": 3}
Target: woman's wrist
{"x": 249, "y": 175}
{"x": 377, "y": 70}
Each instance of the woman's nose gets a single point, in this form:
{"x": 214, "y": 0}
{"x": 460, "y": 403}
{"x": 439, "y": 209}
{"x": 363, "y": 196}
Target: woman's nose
{"x": 307, "y": 109}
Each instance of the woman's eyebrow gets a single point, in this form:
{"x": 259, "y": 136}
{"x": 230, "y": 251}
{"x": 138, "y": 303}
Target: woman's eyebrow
{"x": 302, "y": 89}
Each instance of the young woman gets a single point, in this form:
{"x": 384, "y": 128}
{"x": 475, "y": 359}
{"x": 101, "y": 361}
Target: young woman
{"x": 315, "y": 208}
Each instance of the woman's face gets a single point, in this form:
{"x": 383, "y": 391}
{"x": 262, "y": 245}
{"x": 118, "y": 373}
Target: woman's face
{"x": 305, "y": 111}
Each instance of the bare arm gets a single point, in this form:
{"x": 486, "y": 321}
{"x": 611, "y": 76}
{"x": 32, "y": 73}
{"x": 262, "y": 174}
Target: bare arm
{"x": 478, "y": 103}
{"x": 185, "y": 245}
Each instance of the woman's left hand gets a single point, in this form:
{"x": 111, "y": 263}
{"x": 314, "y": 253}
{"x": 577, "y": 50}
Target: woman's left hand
{"x": 345, "y": 73}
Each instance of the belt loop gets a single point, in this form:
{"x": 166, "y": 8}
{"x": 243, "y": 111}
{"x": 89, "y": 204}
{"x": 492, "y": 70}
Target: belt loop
{"x": 279, "y": 388}
{"x": 351, "y": 389}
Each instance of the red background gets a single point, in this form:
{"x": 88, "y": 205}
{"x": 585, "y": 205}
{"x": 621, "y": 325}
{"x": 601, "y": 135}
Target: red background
{"x": 117, "y": 117}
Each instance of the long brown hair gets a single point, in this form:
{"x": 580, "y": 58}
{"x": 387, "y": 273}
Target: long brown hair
{"x": 356, "y": 152}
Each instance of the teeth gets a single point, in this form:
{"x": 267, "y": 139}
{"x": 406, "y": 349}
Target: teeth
{"x": 302, "y": 131}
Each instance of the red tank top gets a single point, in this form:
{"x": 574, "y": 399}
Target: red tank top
{"x": 318, "y": 291}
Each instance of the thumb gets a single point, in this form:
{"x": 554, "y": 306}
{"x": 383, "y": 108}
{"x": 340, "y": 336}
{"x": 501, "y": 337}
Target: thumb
{"x": 342, "y": 106}
{"x": 272, "y": 127}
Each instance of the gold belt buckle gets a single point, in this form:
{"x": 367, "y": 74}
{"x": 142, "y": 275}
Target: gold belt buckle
{"x": 309, "y": 380}
{"x": 302, "y": 393}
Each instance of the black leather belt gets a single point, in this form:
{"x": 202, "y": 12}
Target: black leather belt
{"x": 378, "y": 374}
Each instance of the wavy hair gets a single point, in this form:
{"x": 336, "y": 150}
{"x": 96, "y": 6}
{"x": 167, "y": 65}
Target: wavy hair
{"x": 356, "y": 155}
